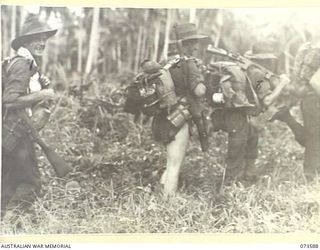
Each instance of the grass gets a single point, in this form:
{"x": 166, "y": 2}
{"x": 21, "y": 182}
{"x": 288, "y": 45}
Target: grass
{"x": 119, "y": 170}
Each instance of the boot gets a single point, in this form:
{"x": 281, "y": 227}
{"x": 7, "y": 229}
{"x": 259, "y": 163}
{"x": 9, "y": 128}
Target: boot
{"x": 282, "y": 114}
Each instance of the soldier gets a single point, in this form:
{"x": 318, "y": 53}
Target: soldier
{"x": 244, "y": 91}
{"x": 172, "y": 127}
{"x": 24, "y": 90}
{"x": 305, "y": 87}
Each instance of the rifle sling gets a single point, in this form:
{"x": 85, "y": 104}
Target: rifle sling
{"x": 255, "y": 97}
{"x": 159, "y": 99}
{"x": 34, "y": 134}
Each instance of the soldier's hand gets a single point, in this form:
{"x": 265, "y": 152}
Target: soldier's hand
{"x": 284, "y": 79}
{"x": 200, "y": 90}
{"x": 47, "y": 94}
{"x": 44, "y": 81}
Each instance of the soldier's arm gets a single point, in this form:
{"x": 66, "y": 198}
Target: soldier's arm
{"x": 30, "y": 99}
{"x": 267, "y": 89}
{"x": 195, "y": 79}
{"x": 271, "y": 97}
{"x": 15, "y": 94}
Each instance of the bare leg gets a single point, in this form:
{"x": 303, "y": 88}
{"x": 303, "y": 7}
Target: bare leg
{"x": 176, "y": 151}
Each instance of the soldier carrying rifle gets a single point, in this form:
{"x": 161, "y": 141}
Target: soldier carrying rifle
{"x": 25, "y": 100}
{"x": 172, "y": 94}
{"x": 243, "y": 89}
{"x": 190, "y": 90}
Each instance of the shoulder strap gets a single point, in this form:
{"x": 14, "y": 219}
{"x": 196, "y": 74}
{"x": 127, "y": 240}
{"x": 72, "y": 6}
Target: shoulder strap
{"x": 255, "y": 97}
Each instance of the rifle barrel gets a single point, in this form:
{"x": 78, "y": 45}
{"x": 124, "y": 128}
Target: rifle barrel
{"x": 238, "y": 58}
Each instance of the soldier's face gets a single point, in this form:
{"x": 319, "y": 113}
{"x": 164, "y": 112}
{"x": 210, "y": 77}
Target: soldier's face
{"x": 191, "y": 47}
{"x": 37, "y": 45}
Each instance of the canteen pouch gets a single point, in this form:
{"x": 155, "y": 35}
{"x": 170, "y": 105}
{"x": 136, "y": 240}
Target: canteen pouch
{"x": 179, "y": 116}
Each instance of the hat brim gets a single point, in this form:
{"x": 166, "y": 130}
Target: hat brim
{"x": 20, "y": 40}
{"x": 192, "y": 37}
{"x": 261, "y": 56}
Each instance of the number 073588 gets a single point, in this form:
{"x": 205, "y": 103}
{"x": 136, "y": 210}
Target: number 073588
{"x": 309, "y": 245}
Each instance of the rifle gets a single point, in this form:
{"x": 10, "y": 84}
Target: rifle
{"x": 200, "y": 122}
{"x": 245, "y": 63}
{"x": 59, "y": 165}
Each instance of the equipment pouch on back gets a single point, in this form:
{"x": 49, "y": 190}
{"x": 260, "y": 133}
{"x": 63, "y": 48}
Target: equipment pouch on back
{"x": 133, "y": 102}
{"x": 165, "y": 90}
{"x": 150, "y": 100}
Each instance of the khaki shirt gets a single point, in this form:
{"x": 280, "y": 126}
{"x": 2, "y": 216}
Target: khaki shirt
{"x": 17, "y": 83}
{"x": 193, "y": 78}
{"x": 262, "y": 85}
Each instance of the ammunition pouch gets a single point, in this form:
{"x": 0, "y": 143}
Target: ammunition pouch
{"x": 13, "y": 131}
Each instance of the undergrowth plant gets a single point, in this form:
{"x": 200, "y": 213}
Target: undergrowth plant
{"x": 118, "y": 166}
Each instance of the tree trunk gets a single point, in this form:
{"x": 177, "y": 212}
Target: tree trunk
{"x": 192, "y": 16}
{"x": 94, "y": 41}
{"x": 104, "y": 62}
{"x": 119, "y": 62}
{"x": 80, "y": 45}
{"x": 113, "y": 52}
{"x": 23, "y": 17}
{"x": 13, "y": 26}
{"x": 143, "y": 45}
{"x": 137, "y": 58}
{"x": 144, "y": 49}
{"x": 4, "y": 36}
{"x": 156, "y": 40}
{"x": 109, "y": 61}
{"x": 219, "y": 24}
{"x": 167, "y": 32}
{"x": 129, "y": 52}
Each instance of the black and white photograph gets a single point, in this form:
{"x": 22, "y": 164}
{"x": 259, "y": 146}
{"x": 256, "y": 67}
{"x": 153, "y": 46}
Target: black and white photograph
{"x": 121, "y": 120}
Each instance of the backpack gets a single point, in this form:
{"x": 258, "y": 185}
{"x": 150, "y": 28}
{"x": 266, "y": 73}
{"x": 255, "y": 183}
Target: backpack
{"x": 228, "y": 80}
{"x": 152, "y": 90}
{"x": 307, "y": 62}
{"x": 307, "y": 67}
